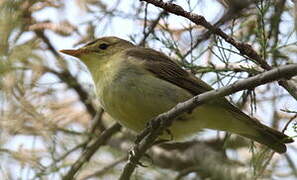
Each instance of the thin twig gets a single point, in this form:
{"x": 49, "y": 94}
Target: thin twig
{"x": 71, "y": 81}
{"x": 90, "y": 151}
{"x": 66, "y": 76}
{"x": 244, "y": 48}
{"x": 151, "y": 28}
{"x": 105, "y": 169}
{"x": 289, "y": 122}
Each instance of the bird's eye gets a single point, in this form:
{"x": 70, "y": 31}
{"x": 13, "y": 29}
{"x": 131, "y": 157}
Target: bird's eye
{"x": 103, "y": 46}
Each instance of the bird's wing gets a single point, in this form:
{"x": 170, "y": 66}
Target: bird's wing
{"x": 164, "y": 68}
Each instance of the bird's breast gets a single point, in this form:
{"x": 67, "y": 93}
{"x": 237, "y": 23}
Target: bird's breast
{"x": 135, "y": 97}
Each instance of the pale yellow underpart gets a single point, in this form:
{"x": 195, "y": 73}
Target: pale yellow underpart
{"x": 133, "y": 96}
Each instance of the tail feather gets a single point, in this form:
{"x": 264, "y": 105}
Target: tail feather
{"x": 253, "y": 129}
{"x": 271, "y": 138}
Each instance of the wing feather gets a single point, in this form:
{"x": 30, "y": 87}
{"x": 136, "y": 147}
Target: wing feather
{"x": 164, "y": 68}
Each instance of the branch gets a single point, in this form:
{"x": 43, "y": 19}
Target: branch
{"x": 104, "y": 169}
{"x": 71, "y": 81}
{"x": 182, "y": 157}
{"x": 66, "y": 76}
{"x": 147, "y": 138}
{"x": 178, "y": 156}
{"x": 231, "y": 14}
{"x": 90, "y": 151}
{"x": 243, "y": 48}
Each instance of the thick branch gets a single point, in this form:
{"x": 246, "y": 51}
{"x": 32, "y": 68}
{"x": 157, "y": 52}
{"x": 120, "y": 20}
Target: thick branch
{"x": 163, "y": 121}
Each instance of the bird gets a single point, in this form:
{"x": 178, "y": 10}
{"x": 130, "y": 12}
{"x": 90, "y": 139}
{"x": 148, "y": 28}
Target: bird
{"x": 134, "y": 84}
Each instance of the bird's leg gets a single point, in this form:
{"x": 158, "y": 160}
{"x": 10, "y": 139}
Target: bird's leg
{"x": 152, "y": 124}
{"x": 132, "y": 153}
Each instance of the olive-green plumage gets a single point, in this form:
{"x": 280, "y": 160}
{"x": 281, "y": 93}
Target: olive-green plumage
{"x": 135, "y": 84}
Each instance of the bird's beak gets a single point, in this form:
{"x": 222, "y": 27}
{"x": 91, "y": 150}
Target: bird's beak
{"x": 76, "y": 52}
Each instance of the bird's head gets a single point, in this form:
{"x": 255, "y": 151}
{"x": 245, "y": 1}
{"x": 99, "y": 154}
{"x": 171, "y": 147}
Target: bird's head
{"x": 99, "y": 50}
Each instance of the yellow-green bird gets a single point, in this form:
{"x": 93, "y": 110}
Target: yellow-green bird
{"x": 135, "y": 84}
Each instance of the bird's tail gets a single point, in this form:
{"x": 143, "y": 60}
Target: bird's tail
{"x": 253, "y": 129}
{"x": 269, "y": 137}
